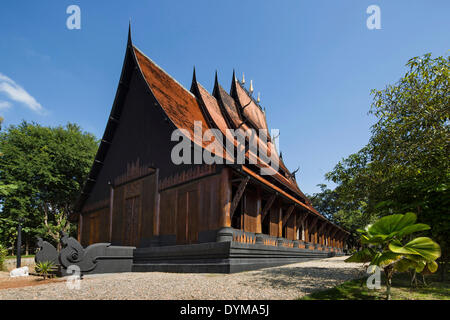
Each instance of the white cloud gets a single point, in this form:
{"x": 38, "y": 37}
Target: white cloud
{"x": 16, "y": 93}
{"x": 5, "y": 105}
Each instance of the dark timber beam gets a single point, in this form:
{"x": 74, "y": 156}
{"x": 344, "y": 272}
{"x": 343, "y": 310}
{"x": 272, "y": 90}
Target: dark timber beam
{"x": 322, "y": 227}
{"x": 302, "y": 217}
{"x": 238, "y": 195}
{"x": 334, "y": 232}
{"x": 312, "y": 225}
{"x": 268, "y": 206}
{"x": 288, "y": 214}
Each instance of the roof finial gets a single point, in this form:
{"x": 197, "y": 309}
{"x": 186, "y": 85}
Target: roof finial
{"x": 194, "y": 76}
{"x": 216, "y": 85}
{"x": 259, "y": 97}
{"x": 251, "y": 87}
{"x": 129, "y": 33}
{"x": 243, "y": 78}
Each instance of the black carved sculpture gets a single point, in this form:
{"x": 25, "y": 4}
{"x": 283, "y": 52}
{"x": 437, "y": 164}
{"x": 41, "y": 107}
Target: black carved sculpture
{"x": 47, "y": 252}
{"x": 74, "y": 254}
{"x": 97, "y": 258}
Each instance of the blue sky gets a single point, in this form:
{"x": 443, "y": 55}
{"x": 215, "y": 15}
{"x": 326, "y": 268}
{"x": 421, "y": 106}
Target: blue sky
{"x": 314, "y": 62}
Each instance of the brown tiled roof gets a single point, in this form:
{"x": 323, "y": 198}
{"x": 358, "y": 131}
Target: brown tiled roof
{"x": 178, "y": 103}
{"x": 213, "y": 109}
{"x": 230, "y": 106}
{"x": 274, "y": 187}
{"x": 249, "y": 108}
{"x": 183, "y": 109}
{"x": 232, "y": 113}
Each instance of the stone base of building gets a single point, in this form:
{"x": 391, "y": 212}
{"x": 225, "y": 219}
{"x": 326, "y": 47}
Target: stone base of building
{"x": 221, "y": 257}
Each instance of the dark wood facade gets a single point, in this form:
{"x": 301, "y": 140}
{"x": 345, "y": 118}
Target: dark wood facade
{"x": 136, "y": 196}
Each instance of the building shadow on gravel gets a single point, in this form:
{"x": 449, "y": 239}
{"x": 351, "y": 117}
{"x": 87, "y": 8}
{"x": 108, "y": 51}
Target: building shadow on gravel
{"x": 304, "y": 279}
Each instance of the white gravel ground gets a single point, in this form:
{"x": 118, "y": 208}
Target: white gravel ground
{"x": 286, "y": 282}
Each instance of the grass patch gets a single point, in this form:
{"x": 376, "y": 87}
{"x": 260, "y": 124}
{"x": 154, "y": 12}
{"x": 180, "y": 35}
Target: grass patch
{"x": 401, "y": 290}
{"x": 23, "y": 256}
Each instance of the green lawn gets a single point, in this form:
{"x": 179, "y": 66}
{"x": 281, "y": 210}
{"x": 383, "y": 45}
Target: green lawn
{"x": 401, "y": 290}
{"x": 23, "y": 256}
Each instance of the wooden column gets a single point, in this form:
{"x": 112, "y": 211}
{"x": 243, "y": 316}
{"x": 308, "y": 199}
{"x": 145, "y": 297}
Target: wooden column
{"x": 306, "y": 228}
{"x": 295, "y": 225}
{"x": 111, "y": 209}
{"x": 280, "y": 222}
{"x": 301, "y": 222}
{"x": 313, "y": 230}
{"x": 225, "y": 198}
{"x": 258, "y": 211}
{"x": 80, "y": 227}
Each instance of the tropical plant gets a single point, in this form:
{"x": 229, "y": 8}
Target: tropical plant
{"x": 383, "y": 247}
{"x": 44, "y": 268}
{"x": 405, "y": 165}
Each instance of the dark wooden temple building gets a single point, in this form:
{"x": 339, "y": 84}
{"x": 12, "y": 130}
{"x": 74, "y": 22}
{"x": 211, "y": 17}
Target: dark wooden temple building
{"x": 198, "y": 217}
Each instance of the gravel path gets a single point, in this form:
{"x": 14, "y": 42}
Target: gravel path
{"x": 286, "y": 282}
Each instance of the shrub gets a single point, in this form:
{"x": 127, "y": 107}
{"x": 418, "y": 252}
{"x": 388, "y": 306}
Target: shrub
{"x": 45, "y": 268}
{"x": 3, "y": 254}
{"x": 384, "y": 247}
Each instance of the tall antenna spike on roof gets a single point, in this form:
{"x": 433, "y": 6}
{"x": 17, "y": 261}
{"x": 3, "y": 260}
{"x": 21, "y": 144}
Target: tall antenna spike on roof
{"x": 243, "y": 78}
{"x": 251, "y": 87}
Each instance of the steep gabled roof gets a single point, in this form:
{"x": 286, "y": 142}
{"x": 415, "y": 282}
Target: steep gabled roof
{"x": 230, "y": 109}
{"x": 179, "y": 104}
{"x": 211, "y": 106}
{"x": 247, "y": 106}
{"x": 183, "y": 108}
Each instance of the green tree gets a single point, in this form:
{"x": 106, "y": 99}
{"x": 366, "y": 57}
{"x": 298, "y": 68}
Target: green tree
{"x": 406, "y": 164}
{"x": 48, "y": 166}
{"x": 5, "y": 189}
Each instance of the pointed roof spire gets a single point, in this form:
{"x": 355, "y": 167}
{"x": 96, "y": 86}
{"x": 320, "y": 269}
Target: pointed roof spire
{"x": 216, "y": 85}
{"x": 129, "y": 33}
{"x": 194, "y": 77}
{"x": 243, "y": 78}
{"x": 251, "y": 87}
{"x": 194, "y": 88}
{"x": 233, "y": 84}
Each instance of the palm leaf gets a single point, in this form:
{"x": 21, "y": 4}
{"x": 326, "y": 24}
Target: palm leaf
{"x": 432, "y": 266}
{"x": 413, "y": 228}
{"x": 392, "y": 224}
{"x": 404, "y": 265}
{"x": 385, "y": 258}
{"x": 365, "y": 255}
{"x": 422, "y": 246}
